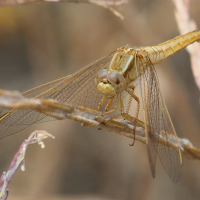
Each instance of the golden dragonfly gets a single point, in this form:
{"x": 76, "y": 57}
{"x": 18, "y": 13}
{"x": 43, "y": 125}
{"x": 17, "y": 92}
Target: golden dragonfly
{"x": 101, "y": 86}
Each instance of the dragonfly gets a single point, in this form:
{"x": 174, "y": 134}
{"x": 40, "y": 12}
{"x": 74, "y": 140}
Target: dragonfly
{"x": 101, "y": 85}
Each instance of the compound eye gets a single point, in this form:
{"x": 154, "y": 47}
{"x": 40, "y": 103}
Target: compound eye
{"x": 102, "y": 75}
{"x": 115, "y": 78}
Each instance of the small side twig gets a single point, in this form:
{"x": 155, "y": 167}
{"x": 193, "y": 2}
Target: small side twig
{"x": 35, "y": 137}
{"x": 185, "y": 24}
{"x": 90, "y": 118}
{"x": 108, "y": 5}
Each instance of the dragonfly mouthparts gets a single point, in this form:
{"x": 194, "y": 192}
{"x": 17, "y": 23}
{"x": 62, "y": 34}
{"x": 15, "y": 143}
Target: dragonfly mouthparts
{"x": 105, "y": 81}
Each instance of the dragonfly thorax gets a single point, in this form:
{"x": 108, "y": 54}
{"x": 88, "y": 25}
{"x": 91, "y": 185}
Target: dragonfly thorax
{"x": 109, "y": 83}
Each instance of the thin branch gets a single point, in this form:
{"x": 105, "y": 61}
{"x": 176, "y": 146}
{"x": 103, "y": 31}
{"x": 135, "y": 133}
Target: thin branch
{"x": 185, "y": 24}
{"x": 89, "y": 118}
{"x": 19, "y": 159}
{"x": 108, "y": 4}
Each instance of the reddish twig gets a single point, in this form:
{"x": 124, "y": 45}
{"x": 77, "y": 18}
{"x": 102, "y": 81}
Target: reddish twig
{"x": 35, "y": 137}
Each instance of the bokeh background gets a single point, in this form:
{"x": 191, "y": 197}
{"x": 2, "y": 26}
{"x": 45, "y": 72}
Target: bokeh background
{"x": 41, "y": 42}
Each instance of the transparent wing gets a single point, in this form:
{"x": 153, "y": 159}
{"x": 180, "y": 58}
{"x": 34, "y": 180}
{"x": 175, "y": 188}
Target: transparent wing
{"x": 158, "y": 124}
{"x": 78, "y": 89}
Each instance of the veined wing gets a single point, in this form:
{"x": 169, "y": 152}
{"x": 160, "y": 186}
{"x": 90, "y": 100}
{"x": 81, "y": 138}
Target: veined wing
{"x": 78, "y": 89}
{"x": 158, "y": 125}
{"x": 33, "y": 93}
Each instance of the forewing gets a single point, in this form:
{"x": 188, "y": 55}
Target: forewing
{"x": 78, "y": 89}
{"x": 159, "y": 128}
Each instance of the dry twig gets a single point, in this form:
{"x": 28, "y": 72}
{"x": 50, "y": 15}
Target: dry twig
{"x": 185, "y": 24}
{"x": 89, "y": 118}
{"x": 108, "y": 4}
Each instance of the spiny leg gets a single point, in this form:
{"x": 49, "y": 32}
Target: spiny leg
{"x": 101, "y": 102}
{"x": 130, "y": 100}
{"x": 119, "y": 96}
{"x": 109, "y": 104}
{"x": 138, "y": 107}
{"x": 129, "y": 104}
{"x": 135, "y": 97}
{"x": 126, "y": 115}
{"x": 121, "y": 104}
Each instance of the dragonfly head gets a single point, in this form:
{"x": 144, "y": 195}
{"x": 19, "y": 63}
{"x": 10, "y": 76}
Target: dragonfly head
{"x": 110, "y": 83}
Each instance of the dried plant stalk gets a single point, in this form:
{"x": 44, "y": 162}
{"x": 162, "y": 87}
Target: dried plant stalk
{"x": 108, "y": 4}
{"x": 89, "y": 118}
{"x": 185, "y": 24}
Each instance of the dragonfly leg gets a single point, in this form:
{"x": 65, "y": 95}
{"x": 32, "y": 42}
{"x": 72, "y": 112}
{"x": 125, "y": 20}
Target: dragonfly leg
{"x": 101, "y": 102}
{"x": 130, "y": 100}
{"x": 126, "y": 115}
{"x": 119, "y": 96}
{"x": 116, "y": 106}
{"x": 109, "y": 104}
{"x": 121, "y": 104}
{"x": 138, "y": 107}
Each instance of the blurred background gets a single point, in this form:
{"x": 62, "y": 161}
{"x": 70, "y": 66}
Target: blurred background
{"x": 41, "y": 42}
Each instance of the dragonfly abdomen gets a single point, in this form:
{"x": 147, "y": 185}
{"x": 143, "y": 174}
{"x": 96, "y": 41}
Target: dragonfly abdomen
{"x": 164, "y": 50}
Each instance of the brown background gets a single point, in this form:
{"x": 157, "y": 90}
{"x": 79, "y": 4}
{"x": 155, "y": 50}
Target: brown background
{"x": 44, "y": 41}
